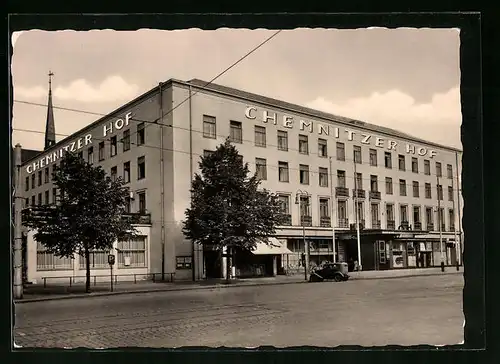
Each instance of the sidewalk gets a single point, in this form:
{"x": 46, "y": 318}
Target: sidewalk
{"x": 33, "y": 293}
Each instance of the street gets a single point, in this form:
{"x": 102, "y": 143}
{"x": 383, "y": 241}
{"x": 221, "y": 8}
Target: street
{"x": 377, "y": 312}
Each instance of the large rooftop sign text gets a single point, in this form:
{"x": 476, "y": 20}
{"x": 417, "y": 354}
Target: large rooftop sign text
{"x": 289, "y": 122}
{"x": 77, "y": 144}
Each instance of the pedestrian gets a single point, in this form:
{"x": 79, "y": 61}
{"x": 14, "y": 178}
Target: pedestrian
{"x": 356, "y": 265}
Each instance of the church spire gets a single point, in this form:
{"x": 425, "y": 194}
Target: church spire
{"x": 50, "y": 129}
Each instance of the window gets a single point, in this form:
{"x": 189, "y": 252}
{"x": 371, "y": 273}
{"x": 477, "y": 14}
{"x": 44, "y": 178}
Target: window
{"x": 114, "y": 172}
{"x": 340, "y": 151}
{"x": 132, "y": 253}
{"x": 54, "y": 195}
{"x": 305, "y": 206}
{"x": 141, "y": 134}
{"x": 27, "y": 184}
{"x": 98, "y": 259}
{"x": 126, "y": 172}
{"x": 126, "y": 140}
{"x": 33, "y": 203}
{"x": 429, "y": 216}
{"x": 450, "y": 193}
{"x": 401, "y": 162}
{"x": 323, "y": 177}
{"x": 374, "y": 210}
{"x": 183, "y": 262}
{"x": 47, "y": 197}
{"x": 428, "y": 190}
{"x": 40, "y": 199}
{"x": 47, "y": 175}
{"x": 304, "y": 174}
{"x": 324, "y": 210}
{"x": 26, "y": 202}
{"x": 439, "y": 172}
{"x": 358, "y": 181}
{"x": 128, "y": 201}
{"x": 451, "y": 219}
{"x": 440, "y": 192}
{"x": 235, "y": 132}
{"x": 357, "y": 154}
{"x": 341, "y": 179}
{"x": 373, "y": 183}
{"x": 416, "y": 189}
{"x": 260, "y": 136}
{"x": 342, "y": 210}
{"x": 388, "y": 160}
{"x": 427, "y": 167}
{"x": 303, "y": 144}
{"x": 282, "y": 140}
{"x": 48, "y": 261}
{"x": 441, "y": 220}
{"x": 33, "y": 176}
{"x": 360, "y": 211}
{"x": 284, "y": 202}
{"x": 373, "y": 157}
{"x": 90, "y": 155}
{"x": 283, "y": 171}
{"x": 449, "y": 171}
{"x": 207, "y": 153}
{"x": 402, "y": 187}
{"x": 39, "y": 178}
{"x": 404, "y": 213}
{"x": 113, "y": 149}
{"x": 141, "y": 167}
{"x": 261, "y": 168}
{"x": 388, "y": 186}
{"x": 416, "y": 214}
{"x": 101, "y": 151}
{"x": 209, "y": 127}
{"x": 322, "y": 148}
{"x": 414, "y": 165}
{"x": 142, "y": 201}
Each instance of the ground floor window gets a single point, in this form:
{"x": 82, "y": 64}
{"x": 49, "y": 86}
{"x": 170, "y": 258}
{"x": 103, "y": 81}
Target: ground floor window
{"x": 183, "y": 263}
{"x": 98, "y": 259}
{"x": 49, "y": 261}
{"x": 132, "y": 253}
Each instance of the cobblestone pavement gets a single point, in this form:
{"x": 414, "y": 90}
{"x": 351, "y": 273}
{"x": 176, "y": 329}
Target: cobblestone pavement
{"x": 404, "y": 311}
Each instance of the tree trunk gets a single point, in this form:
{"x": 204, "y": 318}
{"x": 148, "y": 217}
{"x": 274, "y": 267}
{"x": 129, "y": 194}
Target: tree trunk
{"x": 87, "y": 268}
{"x": 228, "y": 264}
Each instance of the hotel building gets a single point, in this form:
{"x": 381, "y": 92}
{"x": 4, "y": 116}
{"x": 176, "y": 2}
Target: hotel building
{"x": 324, "y": 168}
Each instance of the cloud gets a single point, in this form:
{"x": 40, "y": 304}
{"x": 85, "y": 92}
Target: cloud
{"x": 395, "y": 109}
{"x": 113, "y": 88}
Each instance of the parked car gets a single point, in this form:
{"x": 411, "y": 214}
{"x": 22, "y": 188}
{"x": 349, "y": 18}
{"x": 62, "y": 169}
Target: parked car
{"x": 333, "y": 271}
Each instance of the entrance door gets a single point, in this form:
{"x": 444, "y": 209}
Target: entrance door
{"x": 213, "y": 264}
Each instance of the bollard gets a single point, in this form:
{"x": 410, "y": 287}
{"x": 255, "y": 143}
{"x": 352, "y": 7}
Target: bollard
{"x": 442, "y": 266}
{"x": 95, "y": 281}
{"x": 116, "y": 278}
{"x": 135, "y": 279}
{"x": 458, "y": 266}
{"x": 44, "y": 282}
{"x": 153, "y": 278}
{"x": 70, "y": 281}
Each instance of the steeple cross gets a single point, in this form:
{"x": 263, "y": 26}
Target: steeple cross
{"x": 50, "y": 78}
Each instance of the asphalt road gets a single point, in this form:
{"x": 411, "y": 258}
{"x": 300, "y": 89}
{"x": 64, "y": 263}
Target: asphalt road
{"x": 403, "y": 311}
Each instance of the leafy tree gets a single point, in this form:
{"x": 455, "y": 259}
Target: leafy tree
{"x": 87, "y": 215}
{"x": 227, "y": 207}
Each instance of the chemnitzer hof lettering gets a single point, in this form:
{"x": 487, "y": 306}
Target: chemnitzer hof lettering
{"x": 77, "y": 144}
{"x": 288, "y": 122}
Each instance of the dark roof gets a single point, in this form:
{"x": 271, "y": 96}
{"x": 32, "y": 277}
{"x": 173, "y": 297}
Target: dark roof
{"x": 27, "y": 154}
{"x": 315, "y": 113}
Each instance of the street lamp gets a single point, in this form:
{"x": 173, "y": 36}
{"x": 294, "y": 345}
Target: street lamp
{"x": 306, "y": 250}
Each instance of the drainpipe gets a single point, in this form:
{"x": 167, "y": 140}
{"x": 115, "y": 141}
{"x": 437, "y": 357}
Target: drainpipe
{"x": 162, "y": 184}
{"x": 194, "y": 265}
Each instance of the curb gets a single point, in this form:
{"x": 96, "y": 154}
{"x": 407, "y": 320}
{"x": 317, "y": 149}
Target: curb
{"x": 174, "y": 289}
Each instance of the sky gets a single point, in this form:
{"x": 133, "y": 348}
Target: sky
{"x": 405, "y": 79}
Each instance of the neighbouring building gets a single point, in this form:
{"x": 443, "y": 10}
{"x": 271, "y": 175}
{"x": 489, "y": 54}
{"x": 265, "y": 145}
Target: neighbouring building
{"x": 324, "y": 168}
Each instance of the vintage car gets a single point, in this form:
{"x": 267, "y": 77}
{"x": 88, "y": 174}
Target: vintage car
{"x": 329, "y": 271}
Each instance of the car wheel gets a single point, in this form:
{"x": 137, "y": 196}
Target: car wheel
{"x": 337, "y": 278}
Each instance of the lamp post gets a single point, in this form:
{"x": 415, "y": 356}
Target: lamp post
{"x": 306, "y": 248}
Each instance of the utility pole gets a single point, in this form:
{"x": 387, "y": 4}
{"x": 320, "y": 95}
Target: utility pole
{"x": 332, "y": 198}
{"x": 306, "y": 247}
{"x": 355, "y": 198}
{"x": 18, "y": 237}
{"x": 440, "y": 224}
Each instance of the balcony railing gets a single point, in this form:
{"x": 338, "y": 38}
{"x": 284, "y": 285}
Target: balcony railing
{"x": 443, "y": 227}
{"x": 430, "y": 226}
{"x": 361, "y": 225}
{"x": 375, "y": 195}
{"x": 138, "y": 218}
{"x": 391, "y": 225}
{"x": 325, "y": 221}
{"x": 376, "y": 224}
{"x": 357, "y": 193}
{"x": 305, "y": 221}
{"x": 417, "y": 225}
{"x": 405, "y": 225}
{"x": 341, "y": 192}
{"x": 287, "y": 220}
{"x": 343, "y": 223}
